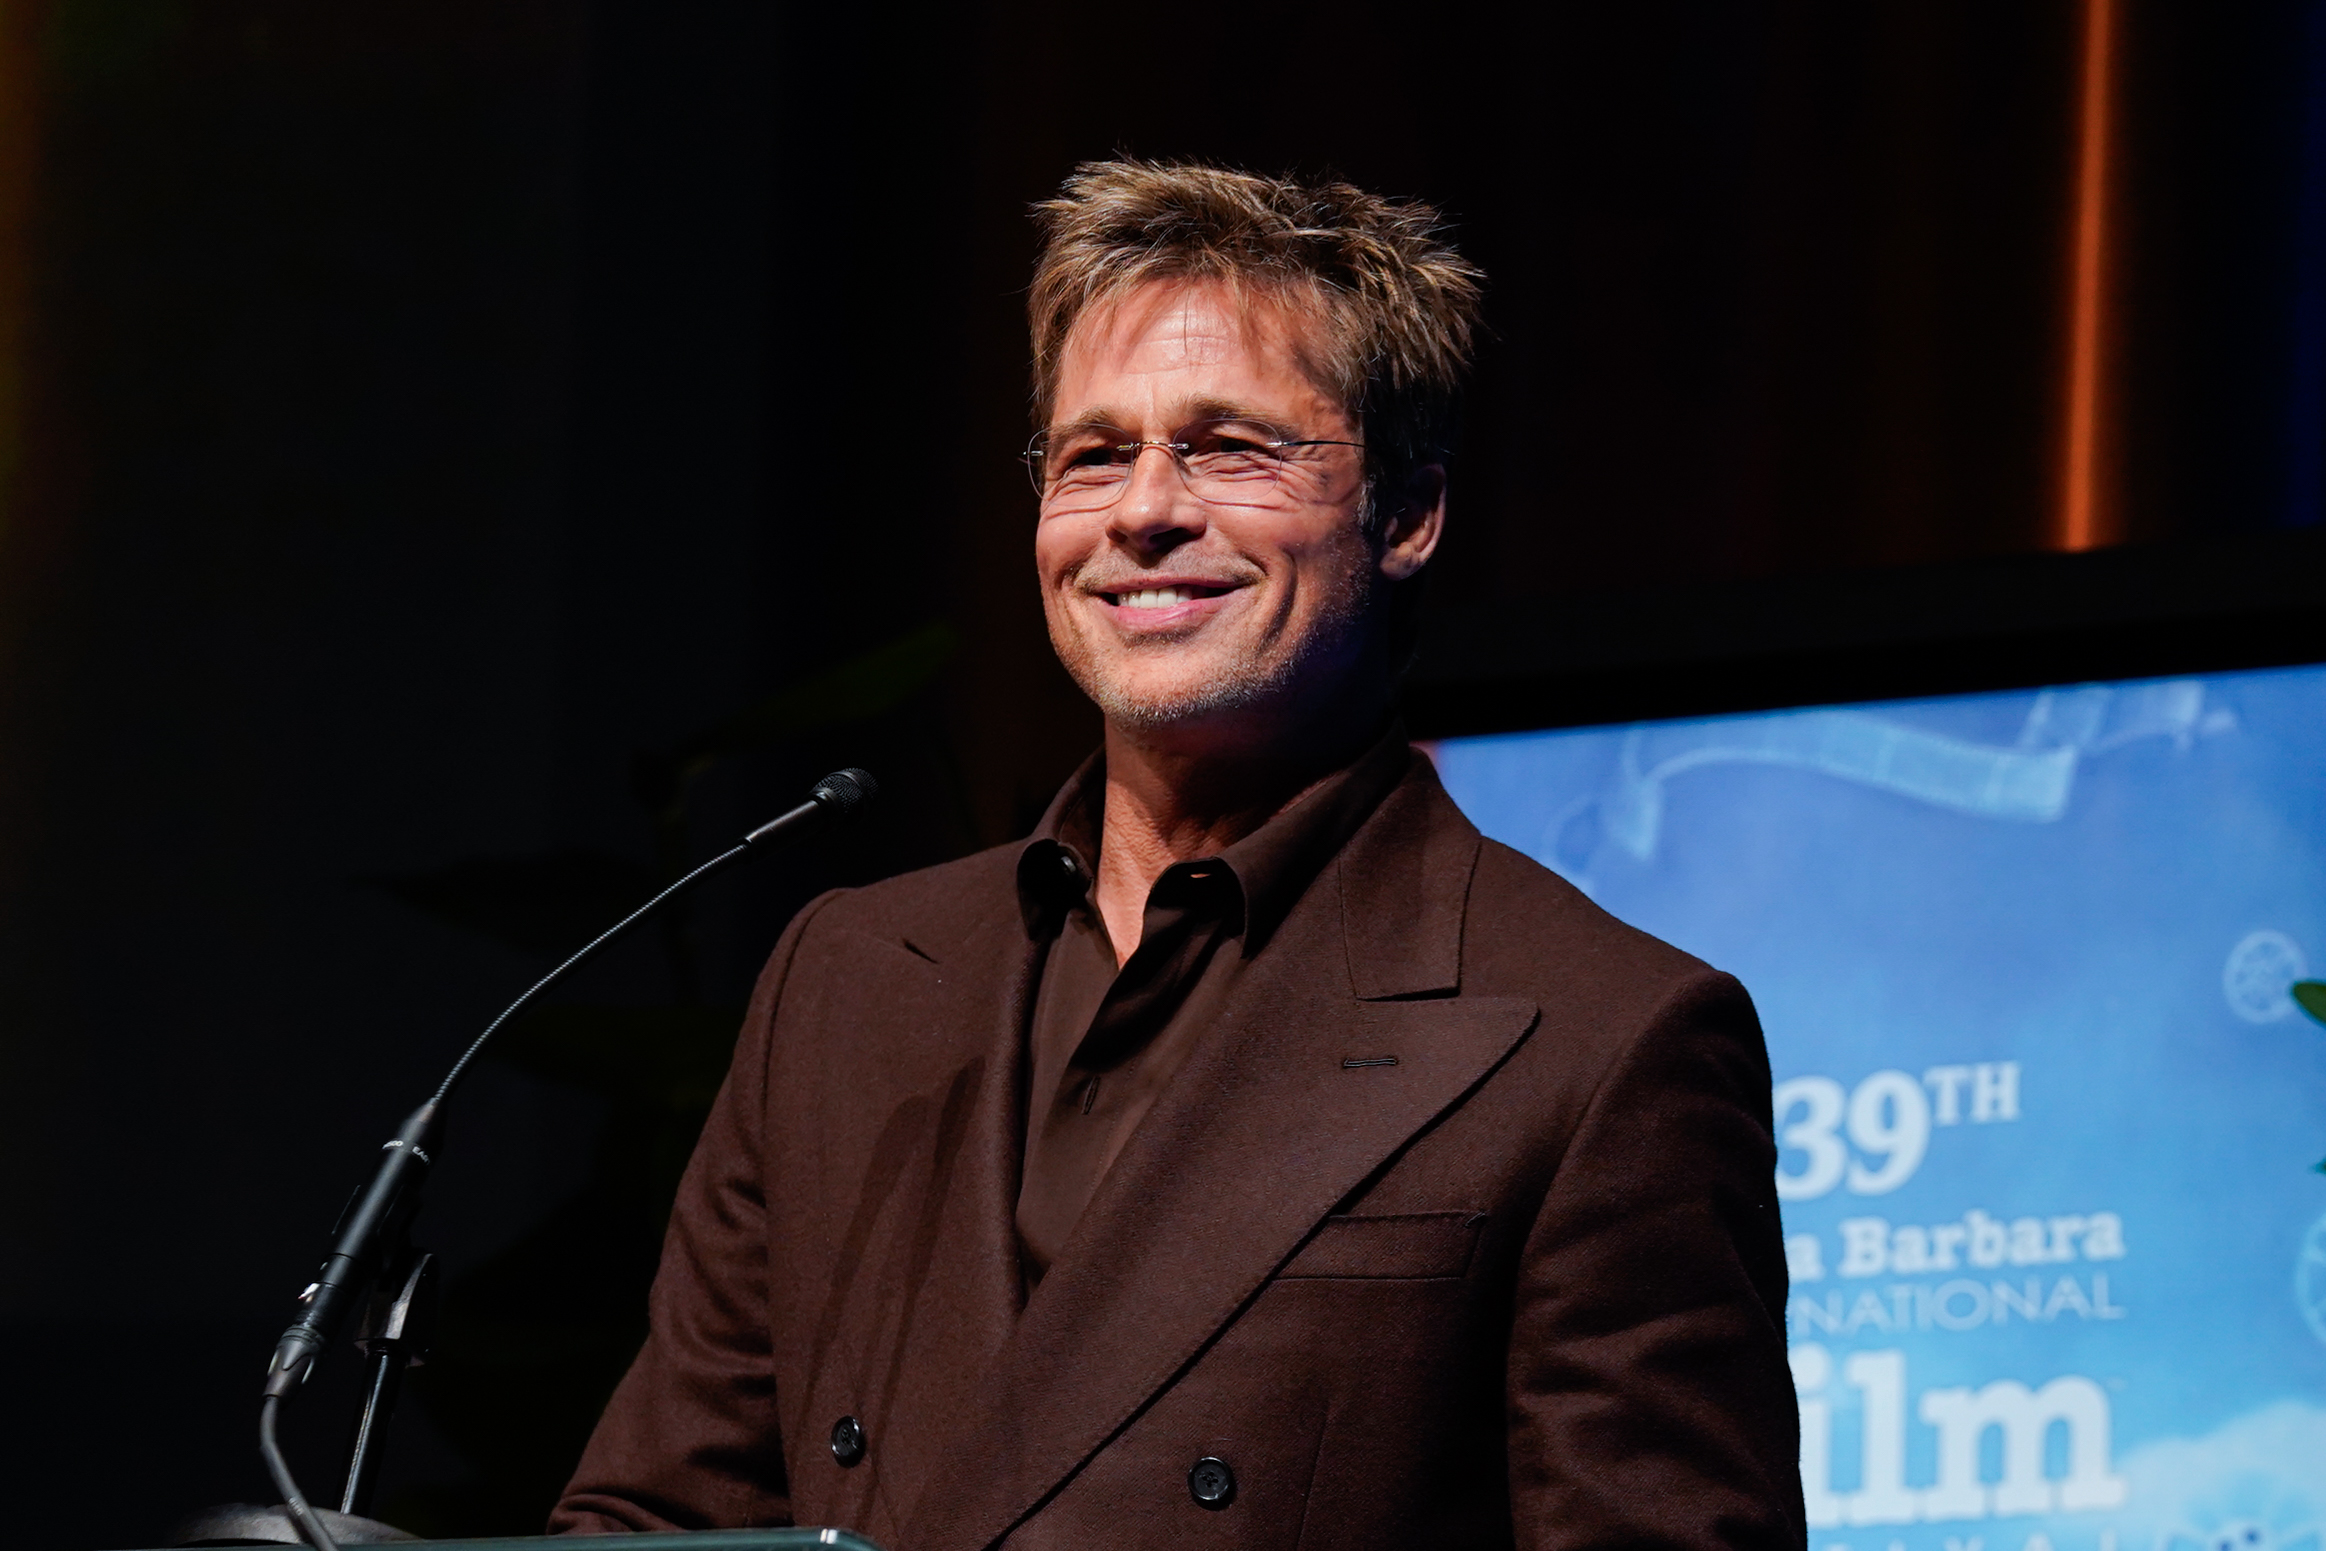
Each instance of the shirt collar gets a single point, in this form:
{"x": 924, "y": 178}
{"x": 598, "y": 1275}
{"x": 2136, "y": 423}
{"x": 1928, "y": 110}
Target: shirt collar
{"x": 1060, "y": 858}
{"x": 1269, "y": 868}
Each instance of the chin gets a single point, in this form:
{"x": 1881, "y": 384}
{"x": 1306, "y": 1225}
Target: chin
{"x": 1152, "y": 704}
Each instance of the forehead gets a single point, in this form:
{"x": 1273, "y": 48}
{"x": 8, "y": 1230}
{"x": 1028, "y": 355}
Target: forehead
{"x": 1165, "y": 345}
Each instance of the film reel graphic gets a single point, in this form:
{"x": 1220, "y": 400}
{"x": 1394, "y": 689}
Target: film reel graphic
{"x": 2310, "y": 1278}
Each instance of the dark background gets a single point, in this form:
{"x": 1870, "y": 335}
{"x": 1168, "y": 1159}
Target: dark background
{"x": 449, "y": 461}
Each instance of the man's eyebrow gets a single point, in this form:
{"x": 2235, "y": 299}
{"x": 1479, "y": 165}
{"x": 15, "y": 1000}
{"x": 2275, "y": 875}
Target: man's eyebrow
{"x": 1190, "y": 412}
{"x": 1224, "y": 409}
{"x": 1088, "y": 420}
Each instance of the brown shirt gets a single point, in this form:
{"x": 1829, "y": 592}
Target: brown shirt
{"x": 1103, "y": 1042}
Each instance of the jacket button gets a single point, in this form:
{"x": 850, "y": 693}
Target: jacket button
{"x": 847, "y": 1441}
{"x": 1211, "y": 1483}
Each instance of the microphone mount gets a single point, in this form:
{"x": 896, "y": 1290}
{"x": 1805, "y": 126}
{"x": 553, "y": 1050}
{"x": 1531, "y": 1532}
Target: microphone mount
{"x": 366, "y": 1244}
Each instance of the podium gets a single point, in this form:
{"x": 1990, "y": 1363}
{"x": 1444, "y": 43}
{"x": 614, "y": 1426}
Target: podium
{"x": 697, "y": 1540}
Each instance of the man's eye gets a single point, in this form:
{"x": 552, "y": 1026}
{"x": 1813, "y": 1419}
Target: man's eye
{"x": 1231, "y": 439}
{"x": 1243, "y": 438}
{"x": 1086, "y": 455}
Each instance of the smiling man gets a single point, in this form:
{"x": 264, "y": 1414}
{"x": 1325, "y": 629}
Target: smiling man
{"x": 1255, "y": 1156}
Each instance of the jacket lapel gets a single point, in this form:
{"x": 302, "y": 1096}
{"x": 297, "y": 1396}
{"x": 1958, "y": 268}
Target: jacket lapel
{"x": 1253, "y": 1143}
{"x": 956, "y": 1299}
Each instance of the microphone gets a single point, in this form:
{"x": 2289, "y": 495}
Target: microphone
{"x": 376, "y": 1218}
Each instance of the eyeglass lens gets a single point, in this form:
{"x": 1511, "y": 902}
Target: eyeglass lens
{"x": 1227, "y": 463}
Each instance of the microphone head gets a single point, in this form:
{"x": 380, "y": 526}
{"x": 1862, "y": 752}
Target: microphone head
{"x": 844, "y": 791}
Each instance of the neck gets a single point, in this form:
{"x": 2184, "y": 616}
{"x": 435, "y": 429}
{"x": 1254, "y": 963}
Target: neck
{"x": 1171, "y": 798}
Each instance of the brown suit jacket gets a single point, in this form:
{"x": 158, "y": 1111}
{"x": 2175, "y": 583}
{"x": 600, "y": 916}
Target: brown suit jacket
{"x": 1523, "y": 1285}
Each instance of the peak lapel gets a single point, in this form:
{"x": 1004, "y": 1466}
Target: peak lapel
{"x": 944, "y": 1288}
{"x": 1253, "y": 1143}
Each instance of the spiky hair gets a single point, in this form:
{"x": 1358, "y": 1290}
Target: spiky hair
{"x": 1395, "y": 306}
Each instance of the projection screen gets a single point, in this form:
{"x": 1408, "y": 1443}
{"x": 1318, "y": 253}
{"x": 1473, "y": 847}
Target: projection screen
{"x": 2050, "y": 1121}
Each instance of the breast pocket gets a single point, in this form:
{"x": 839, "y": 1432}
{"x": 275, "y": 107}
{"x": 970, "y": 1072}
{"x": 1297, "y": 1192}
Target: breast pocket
{"x": 1406, "y": 1246}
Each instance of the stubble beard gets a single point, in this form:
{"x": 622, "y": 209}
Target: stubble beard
{"x": 1254, "y": 679}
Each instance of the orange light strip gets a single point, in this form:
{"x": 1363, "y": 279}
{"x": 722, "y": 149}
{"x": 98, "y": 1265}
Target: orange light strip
{"x": 17, "y": 55}
{"x": 2083, "y": 524}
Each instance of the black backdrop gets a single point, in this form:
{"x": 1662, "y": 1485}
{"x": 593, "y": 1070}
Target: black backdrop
{"x": 458, "y": 479}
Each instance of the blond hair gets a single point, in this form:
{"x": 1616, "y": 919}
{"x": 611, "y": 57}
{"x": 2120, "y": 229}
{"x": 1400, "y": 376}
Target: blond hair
{"x": 1394, "y": 304}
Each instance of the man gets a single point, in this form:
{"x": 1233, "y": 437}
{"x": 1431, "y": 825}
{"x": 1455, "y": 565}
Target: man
{"x": 1256, "y": 1156}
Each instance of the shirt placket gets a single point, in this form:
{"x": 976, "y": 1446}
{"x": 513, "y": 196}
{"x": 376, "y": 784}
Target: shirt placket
{"x": 1186, "y": 918}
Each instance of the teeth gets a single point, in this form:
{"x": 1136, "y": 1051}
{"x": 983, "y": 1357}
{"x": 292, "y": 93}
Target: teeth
{"x": 1158, "y": 597}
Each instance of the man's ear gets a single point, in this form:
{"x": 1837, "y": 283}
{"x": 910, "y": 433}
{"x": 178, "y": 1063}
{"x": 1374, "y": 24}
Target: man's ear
{"x": 1416, "y": 519}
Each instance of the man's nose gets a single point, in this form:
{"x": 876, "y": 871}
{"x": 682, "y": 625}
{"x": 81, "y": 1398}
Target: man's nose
{"x": 1156, "y": 510}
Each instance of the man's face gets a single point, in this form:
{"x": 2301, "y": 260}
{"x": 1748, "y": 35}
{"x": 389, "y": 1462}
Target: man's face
{"x": 1177, "y": 612}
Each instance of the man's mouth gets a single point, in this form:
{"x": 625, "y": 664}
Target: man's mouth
{"x": 1160, "y": 597}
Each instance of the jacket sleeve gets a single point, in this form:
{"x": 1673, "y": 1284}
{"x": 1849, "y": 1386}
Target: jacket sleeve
{"x": 690, "y": 1439}
{"x": 1650, "y": 1404}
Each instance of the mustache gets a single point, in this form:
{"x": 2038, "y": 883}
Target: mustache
{"x": 1100, "y": 576}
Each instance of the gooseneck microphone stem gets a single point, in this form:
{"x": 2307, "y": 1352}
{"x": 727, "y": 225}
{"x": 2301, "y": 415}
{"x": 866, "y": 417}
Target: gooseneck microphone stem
{"x": 719, "y": 863}
{"x": 301, "y": 1514}
{"x": 379, "y": 1215}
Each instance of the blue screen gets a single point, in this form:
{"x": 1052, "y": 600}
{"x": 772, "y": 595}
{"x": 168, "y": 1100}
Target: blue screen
{"x": 2049, "y": 1121}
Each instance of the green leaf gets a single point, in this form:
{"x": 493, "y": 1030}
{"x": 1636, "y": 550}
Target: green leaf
{"x": 531, "y": 1341}
{"x": 863, "y": 686}
{"x": 2310, "y": 996}
{"x": 97, "y": 44}
{"x": 547, "y": 902}
{"x": 669, "y": 1057}
{"x": 849, "y": 691}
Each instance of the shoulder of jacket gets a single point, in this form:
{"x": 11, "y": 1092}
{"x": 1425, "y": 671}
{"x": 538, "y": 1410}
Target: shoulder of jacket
{"x": 1528, "y": 929}
{"x": 931, "y": 906}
